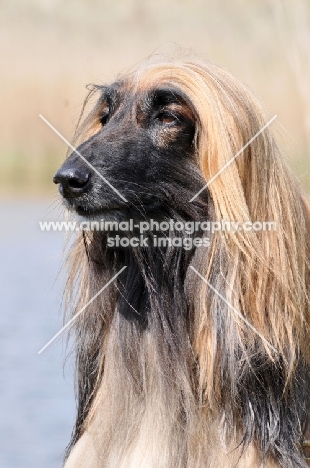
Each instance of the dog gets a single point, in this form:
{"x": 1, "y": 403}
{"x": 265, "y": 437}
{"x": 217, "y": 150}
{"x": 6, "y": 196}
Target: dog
{"x": 191, "y": 357}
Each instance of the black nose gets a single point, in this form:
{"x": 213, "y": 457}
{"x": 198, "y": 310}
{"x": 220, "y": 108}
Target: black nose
{"x": 73, "y": 181}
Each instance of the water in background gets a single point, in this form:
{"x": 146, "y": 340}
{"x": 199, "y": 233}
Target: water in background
{"x": 36, "y": 395}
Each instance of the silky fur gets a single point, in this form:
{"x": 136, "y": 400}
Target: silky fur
{"x": 168, "y": 376}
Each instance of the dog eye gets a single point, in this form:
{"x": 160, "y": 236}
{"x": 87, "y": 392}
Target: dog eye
{"x": 166, "y": 118}
{"x": 104, "y": 118}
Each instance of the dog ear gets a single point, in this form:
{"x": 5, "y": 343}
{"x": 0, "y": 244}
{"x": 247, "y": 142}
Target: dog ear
{"x": 266, "y": 272}
{"x": 263, "y": 272}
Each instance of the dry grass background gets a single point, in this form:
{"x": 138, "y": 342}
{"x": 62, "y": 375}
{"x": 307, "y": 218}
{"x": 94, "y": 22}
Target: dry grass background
{"x": 50, "y": 49}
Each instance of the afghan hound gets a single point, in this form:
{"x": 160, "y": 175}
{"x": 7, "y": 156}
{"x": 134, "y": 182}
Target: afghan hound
{"x": 191, "y": 357}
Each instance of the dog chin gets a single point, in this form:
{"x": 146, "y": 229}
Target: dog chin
{"x": 90, "y": 213}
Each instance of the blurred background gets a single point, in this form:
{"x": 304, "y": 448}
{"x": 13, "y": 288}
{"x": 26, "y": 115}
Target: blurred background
{"x": 50, "y": 50}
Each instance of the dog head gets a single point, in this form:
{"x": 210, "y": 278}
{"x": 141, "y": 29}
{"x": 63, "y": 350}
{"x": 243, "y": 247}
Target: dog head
{"x": 156, "y": 137}
{"x": 140, "y": 152}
